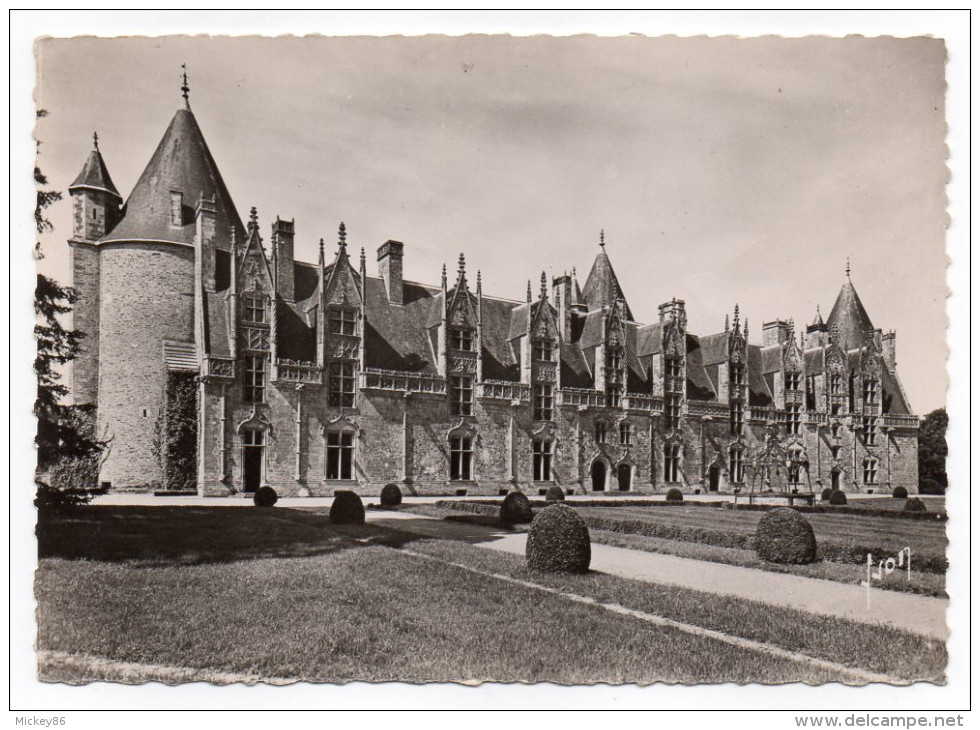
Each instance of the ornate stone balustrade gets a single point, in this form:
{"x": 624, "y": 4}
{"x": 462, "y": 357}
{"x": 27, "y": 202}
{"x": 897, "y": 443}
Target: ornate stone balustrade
{"x": 581, "y": 397}
{"x": 397, "y": 380}
{"x": 503, "y": 390}
{"x": 297, "y": 371}
{"x": 896, "y": 421}
{"x": 643, "y": 402}
{"x": 708, "y": 410}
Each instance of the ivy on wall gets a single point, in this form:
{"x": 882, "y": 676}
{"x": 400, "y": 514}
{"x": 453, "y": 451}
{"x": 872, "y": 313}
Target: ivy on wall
{"x": 177, "y": 433}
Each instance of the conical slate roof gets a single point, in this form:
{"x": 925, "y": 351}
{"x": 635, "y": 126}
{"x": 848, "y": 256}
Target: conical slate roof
{"x": 182, "y": 163}
{"x": 848, "y": 320}
{"x": 95, "y": 175}
{"x": 602, "y": 287}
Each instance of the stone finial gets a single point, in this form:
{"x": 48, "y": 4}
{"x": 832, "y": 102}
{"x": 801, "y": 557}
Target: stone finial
{"x": 529, "y": 291}
{"x": 184, "y": 88}
{"x": 342, "y": 235}
{"x": 745, "y": 330}
{"x": 253, "y": 218}
{"x": 847, "y": 269}
{"x": 544, "y": 285}
{"x": 363, "y": 259}
{"x": 444, "y": 281}
{"x": 95, "y": 140}
{"x": 321, "y": 250}
{"x": 234, "y": 238}
{"x": 726, "y": 323}
{"x": 735, "y": 319}
{"x": 602, "y": 237}
{"x": 461, "y": 266}
{"x": 479, "y": 281}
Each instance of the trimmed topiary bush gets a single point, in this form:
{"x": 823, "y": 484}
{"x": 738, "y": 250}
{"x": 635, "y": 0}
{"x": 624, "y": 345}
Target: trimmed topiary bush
{"x": 825, "y": 494}
{"x": 837, "y": 497}
{"x": 900, "y": 493}
{"x": 391, "y": 495}
{"x": 555, "y": 494}
{"x": 785, "y": 536}
{"x": 347, "y": 509}
{"x": 675, "y": 495}
{"x": 265, "y": 497}
{"x": 515, "y": 509}
{"x": 914, "y": 505}
{"x": 558, "y": 541}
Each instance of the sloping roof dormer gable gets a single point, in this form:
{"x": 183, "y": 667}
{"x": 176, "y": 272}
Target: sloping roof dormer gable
{"x": 461, "y": 304}
{"x": 544, "y": 317}
{"x": 254, "y": 273}
{"x": 342, "y": 284}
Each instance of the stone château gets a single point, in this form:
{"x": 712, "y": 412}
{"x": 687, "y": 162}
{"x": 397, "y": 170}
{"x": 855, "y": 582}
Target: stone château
{"x": 208, "y": 346}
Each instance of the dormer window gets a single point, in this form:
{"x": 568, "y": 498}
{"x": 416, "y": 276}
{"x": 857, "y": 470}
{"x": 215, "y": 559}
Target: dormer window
{"x": 543, "y": 351}
{"x": 343, "y": 321}
{"x": 738, "y": 373}
{"x": 870, "y": 392}
{"x": 792, "y": 381}
{"x": 176, "y": 209}
{"x": 835, "y": 384}
{"x": 736, "y": 418}
{"x": 253, "y": 309}
{"x": 462, "y": 340}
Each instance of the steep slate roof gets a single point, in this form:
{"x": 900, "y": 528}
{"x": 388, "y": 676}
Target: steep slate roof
{"x": 182, "y": 162}
{"x": 95, "y": 175}
{"x": 602, "y": 287}
{"x": 849, "y": 321}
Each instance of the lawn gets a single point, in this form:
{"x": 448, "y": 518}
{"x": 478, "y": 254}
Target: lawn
{"x": 282, "y": 593}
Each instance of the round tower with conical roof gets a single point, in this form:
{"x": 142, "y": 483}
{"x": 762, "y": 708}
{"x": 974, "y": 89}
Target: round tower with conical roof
{"x": 143, "y": 270}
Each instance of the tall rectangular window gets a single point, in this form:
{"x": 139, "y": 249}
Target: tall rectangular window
{"x": 736, "y": 466}
{"x": 870, "y": 471}
{"x": 625, "y": 434}
{"x": 461, "y": 458}
{"x": 340, "y": 384}
{"x": 343, "y": 321}
{"x": 543, "y": 350}
{"x": 544, "y": 402}
{"x": 672, "y": 412}
{"x": 869, "y": 430}
{"x": 836, "y": 384}
{"x": 792, "y": 381}
{"x": 543, "y": 453}
{"x": 600, "y": 432}
{"x": 672, "y": 368}
{"x": 340, "y": 455}
{"x": 613, "y": 395}
{"x": 461, "y": 339}
{"x": 870, "y": 393}
{"x": 462, "y": 395}
{"x": 254, "y": 374}
{"x": 737, "y": 373}
{"x": 253, "y": 309}
{"x": 671, "y": 462}
{"x": 736, "y": 417}
{"x": 794, "y": 418}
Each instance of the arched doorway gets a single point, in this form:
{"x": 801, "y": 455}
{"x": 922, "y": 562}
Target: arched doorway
{"x": 624, "y": 475}
{"x": 598, "y": 473}
{"x": 835, "y": 479}
{"x": 714, "y": 474}
{"x": 253, "y": 442}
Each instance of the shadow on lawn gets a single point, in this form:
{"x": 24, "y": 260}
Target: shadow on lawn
{"x": 158, "y": 536}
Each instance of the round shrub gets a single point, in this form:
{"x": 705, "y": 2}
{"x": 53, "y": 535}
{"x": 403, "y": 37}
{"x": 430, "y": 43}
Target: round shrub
{"x": 265, "y": 497}
{"x": 558, "y": 541}
{"x": 837, "y": 497}
{"x": 555, "y": 494}
{"x": 515, "y": 509}
{"x": 900, "y": 493}
{"x": 675, "y": 495}
{"x": 825, "y": 494}
{"x": 914, "y": 505}
{"x": 391, "y": 495}
{"x": 785, "y": 536}
{"x": 347, "y": 509}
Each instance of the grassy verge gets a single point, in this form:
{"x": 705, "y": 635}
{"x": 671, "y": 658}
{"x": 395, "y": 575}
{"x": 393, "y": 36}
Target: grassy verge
{"x": 876, "y": 648}
{"x": 369, "y": 613}
{"x": 929, "y": 584}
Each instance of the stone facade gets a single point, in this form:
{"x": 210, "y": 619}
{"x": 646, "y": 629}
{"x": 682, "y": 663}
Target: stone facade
{"x": 317, "y": 377}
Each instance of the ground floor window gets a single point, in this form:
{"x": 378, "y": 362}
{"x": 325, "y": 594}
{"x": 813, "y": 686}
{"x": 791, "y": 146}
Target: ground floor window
{"x": 340, "y": 455}
{"x": 736, "y": 466}
{"x": 794, "y": 474}
{"x": 461, "y": 458}
{"x": 672, "y": 457}
{"x": 870, "y": 471}
{"x": 543, "y": 452}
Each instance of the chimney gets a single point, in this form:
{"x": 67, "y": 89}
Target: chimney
{"x": 206, "y": 219}
{"x": 283, "y": 237}
{"x": 776, "y": 332}
{"x": 390, "y": 256}
{"x": 888, "y": 350}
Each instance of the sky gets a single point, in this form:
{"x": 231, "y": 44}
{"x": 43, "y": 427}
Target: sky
{"x": 722, "y": 170}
